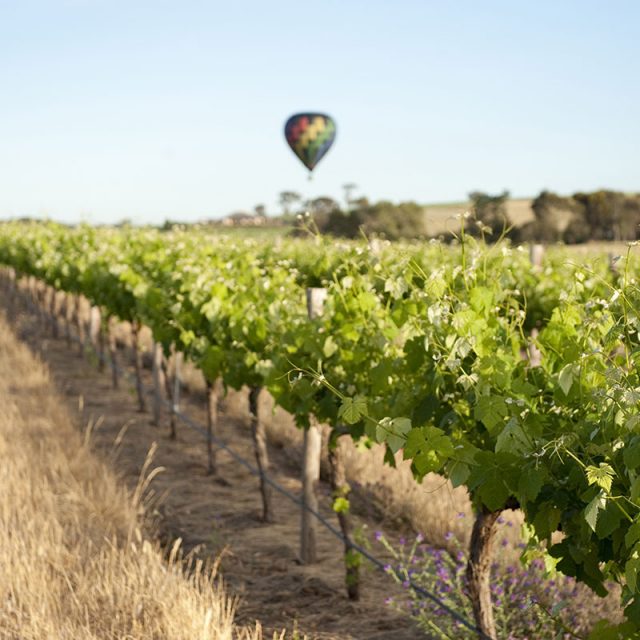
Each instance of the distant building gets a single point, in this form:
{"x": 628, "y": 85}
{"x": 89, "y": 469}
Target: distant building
{"x": 242, "y": 219}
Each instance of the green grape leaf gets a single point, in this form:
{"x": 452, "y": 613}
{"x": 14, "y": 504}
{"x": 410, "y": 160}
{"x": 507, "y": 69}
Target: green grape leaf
{"x": 352, "y": 410}
{"x": 481, "y": 299}
{"x": 631, "y": 572}
{"x": 491, "y": 411}
{"x": 605, "y": 630}
{"x": 565, "y": 378}
{"x": 330, "y": 347}
{"x": 602, "y": 476}
{"x": 341, "y": 505}
{"x": 458, "y": 473}
{"x": 633, "y": 534}
{"x": 187, "y": 337}
{"x": 211, "y": 362}
{"x": 524, "y": 388}
{"x": 513, "y": 438}
{"x": 397, "y": 287}
{"x": 393, "y": 431}
{"x": 608, "y": 520}
{"x": 367, "y": 301}
{"x": 429, "y": 448}
{"x": 631, "y": 455}
{"x": 546, "y": 520}
{"x": 493, "y": 491}
{"x": 593, "y": 508}
{"x": 530, "y": 483}
{"x": 632, "y": 612}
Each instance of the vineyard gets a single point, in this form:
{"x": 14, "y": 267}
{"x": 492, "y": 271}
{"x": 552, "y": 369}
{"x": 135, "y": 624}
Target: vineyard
{"x": 517, "y": 381}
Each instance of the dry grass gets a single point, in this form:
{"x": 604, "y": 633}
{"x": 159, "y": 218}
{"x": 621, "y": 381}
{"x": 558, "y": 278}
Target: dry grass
{"x": 440, "y": 218}
{"x": 73, "y": 561}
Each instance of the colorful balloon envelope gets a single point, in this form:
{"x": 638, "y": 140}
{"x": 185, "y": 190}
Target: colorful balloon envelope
{"x": 310, "y": 136}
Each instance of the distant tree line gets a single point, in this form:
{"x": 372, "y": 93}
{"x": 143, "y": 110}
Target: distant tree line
{"x": 384, "y": 218}
{"x": 601, "y": 215}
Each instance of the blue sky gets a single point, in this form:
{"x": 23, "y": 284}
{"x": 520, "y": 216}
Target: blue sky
{"x": 174, "y": 109}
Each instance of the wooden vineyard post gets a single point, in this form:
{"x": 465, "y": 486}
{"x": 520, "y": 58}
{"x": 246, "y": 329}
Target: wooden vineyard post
{"x": 101, "y": 344}
{"x": 535, "y": 356}
{"x": 68, "y": 318}
{"x": 614, "y": 263}
{"x": 176, "y": 381}
{"x": 259, "y": 434}
{"x": 310, "y": 476}
{"x": 173, "y": 390}
{"x": 44, "y": 303}
{"x": 94, "y": 327}
{"x": 12, "y": 287}
{"x": 6, "y": 281}
{"x": 38, "y": 291}
{"x": 16, "y": 294}
{"x": 137, "y": 361}
{"x": 311, "y": 457}
{"x": 111, "y": 341}
{"x": 23, "y": 288}
{"x": 67, "y": 313}
{"x": 53, "y": 311}
{"x": 80, "y": 326}
{"x": 158, "y": 382}
{"x": 31, "y": 288}
{"x": 31, "y": 296}
{"x": 212, "y": 423}
{"x": 536, "y": 255}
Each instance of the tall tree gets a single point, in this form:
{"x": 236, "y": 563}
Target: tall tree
{"x": 490, "y": 211}
{"x": 322, "y": 205}
{"x": 348, "y": 189}
{"x": 287, "y": 200}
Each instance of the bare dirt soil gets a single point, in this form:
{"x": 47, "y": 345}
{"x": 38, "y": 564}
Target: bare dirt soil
{"x": 259, "y": 561}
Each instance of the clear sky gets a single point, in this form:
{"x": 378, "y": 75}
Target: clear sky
{"x": 155, "y": 109}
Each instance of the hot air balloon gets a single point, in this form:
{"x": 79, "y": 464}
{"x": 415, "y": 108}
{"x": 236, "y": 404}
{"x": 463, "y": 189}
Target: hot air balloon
{"x": 310, "y": 136}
